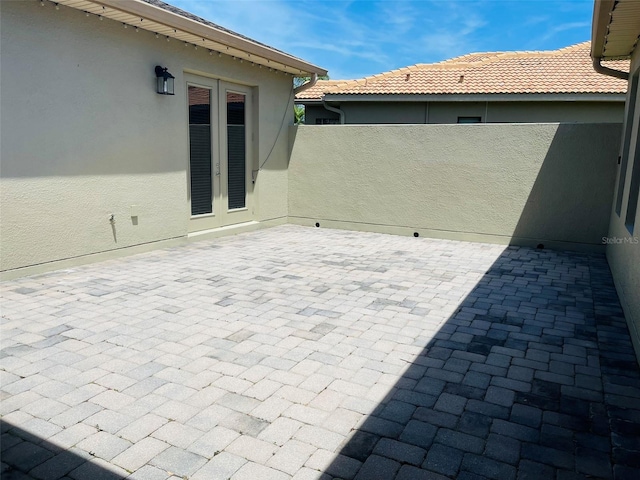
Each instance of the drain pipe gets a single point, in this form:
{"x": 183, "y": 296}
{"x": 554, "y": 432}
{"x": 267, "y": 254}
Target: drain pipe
{"x": 335, "y": 110}
{"x": 598, "y": 67}
{"x": 306, "y": 85}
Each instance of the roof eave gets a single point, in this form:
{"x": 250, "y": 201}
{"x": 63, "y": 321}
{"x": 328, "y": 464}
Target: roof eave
{"x": 474, "y": 97}
{"x": 150, "y": 12}
{"x": 615, "y": 29}
{"x": 601, "y": 17}
{"x": 308, "y": 101}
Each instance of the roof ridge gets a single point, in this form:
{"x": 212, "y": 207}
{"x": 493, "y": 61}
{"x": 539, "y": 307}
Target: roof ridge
{"x": 499, "y": 55}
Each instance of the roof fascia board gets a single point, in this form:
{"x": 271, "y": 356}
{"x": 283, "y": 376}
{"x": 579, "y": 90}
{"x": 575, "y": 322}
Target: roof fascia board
{"x": 173, "y": 20}
{"x": 309, "y": 101}
{"x": 600, "y": 22}
{"x": 512, "y": 97}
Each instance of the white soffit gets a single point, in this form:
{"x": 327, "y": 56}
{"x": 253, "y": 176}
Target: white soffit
{"x": 120, "y": 13}
{"x": 621, "y": 37}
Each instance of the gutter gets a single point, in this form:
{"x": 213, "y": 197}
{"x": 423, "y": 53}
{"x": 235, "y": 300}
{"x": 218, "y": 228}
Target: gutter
{"x": 306, "y": 85}
{"x": 335, "y": 110}
{"x": 602, "y": 10}
{"x": 311, "y": 83}
{"x": 598, "y": 67}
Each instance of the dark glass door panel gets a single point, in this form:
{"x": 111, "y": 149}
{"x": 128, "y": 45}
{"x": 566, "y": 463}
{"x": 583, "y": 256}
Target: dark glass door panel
{"x": 236, "y": 150}
{"x": 200, "y": 150}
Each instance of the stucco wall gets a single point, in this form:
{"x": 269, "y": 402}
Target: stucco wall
{"x": 521, "y": 183}
{"x": 84, "y": 135}
{"x": 624, "y": 257}
{"x": 367, "y": 113}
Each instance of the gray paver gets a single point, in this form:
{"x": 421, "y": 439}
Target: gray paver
{"x": 252, "y": 449}
{"x": 502, "y": 448}
{"x": 378, "y": 468}
{"x": 399, "y": 451}
{"x": 57, "y": 466}
{"x": 141, "y": 427}
{"x": 107, "y": 420}
{"x": 222, "y": 465}
{"x": 408, "y": 472}
{"x": 340, "y": 466}
{"x": 72, "y": 435}
{"x": 213, "y": 442}
{"x": 104, "y": 445}
{"x": 443, "y": 459}
{"x": 149, "y": 472}
{"x": 317, "y": 353}
{"x": 177, "y": 434}
{"x": 462, "y": 441}
{"x": 281, "y": 430}
{"x": 448, "y": 403}
{"x": 178, "y": 461}
{"x": 291, "y": 457}
{"x": 488, "y": 467}
{"x": 25, "y": 456}
{"x": 251, "y": 471}
{"x": 139, "y": 454}
{"x": 418, "y": 433}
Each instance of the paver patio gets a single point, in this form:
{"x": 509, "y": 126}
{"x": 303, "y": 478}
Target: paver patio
{"x": 310, "y": 353}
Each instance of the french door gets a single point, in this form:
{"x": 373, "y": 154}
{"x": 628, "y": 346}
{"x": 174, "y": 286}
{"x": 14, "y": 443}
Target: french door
{"x": 220, "y": 153}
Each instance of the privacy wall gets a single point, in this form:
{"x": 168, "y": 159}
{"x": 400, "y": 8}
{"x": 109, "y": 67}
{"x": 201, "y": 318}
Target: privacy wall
{"x": 525, "y": 184}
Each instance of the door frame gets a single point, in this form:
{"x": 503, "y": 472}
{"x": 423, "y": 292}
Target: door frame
{"x": 244, "y": 214}
{"x": 221, "y": 215}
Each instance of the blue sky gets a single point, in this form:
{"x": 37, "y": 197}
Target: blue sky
{"x": 356, "y": 38}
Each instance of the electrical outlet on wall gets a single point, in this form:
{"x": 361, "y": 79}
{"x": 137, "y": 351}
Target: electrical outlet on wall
{"x": 134, "y": 210}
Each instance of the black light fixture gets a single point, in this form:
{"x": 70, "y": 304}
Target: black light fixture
{"x": 165, "y": 81}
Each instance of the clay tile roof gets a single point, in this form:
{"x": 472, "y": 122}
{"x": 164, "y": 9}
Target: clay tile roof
{"x": 320, "y": 88}
{"x": 568, "y": 70}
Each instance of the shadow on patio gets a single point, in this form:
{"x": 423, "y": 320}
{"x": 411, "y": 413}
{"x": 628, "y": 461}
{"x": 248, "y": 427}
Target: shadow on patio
{"x": 533, "y": 377}
{"x": 23, "y": 452}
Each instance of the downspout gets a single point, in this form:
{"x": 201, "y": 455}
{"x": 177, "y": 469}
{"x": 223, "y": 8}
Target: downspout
{"x": 598, "y": 67}
{"x": 306, "y": 85}
{"x": 335, "y": 110}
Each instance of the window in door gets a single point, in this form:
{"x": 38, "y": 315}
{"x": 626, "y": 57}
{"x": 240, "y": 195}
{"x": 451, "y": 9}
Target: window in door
{"x": 236, "y": 150}
{"x": 200, "y": 150}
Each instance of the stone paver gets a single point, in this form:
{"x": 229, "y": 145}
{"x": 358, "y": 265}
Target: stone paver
{"x": 311, "y": 353}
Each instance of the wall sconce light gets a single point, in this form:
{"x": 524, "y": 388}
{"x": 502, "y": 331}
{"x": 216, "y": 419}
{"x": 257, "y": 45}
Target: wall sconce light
{"x": 165, "y": 81}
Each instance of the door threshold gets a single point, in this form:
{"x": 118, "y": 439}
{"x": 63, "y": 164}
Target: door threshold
{"x": 235, "y": 228}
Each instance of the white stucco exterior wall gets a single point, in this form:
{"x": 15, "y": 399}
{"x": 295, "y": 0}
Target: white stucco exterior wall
{"x": 623, "y": 253}
{"x": 84, "y": 135}
{"x": 525, "y": 184}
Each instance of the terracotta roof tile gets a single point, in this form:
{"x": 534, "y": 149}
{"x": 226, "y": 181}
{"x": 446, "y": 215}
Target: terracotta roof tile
{"x": 568, "y": 70}
{"x": 320, "y": 88}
